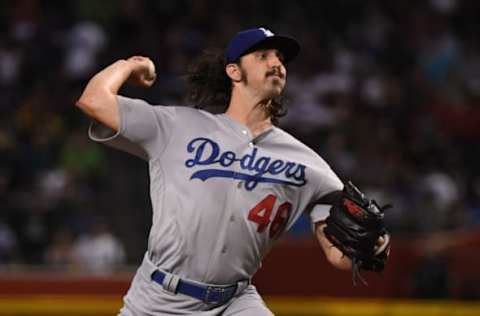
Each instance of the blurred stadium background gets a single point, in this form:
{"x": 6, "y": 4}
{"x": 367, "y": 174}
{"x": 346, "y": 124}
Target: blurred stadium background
{"x": 388, "y": 92}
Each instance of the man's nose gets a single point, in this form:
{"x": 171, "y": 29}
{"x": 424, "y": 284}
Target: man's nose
{"x": 275, "y": 62}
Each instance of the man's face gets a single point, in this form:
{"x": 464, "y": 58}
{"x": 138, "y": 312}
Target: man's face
{"x": 264, "y": 72}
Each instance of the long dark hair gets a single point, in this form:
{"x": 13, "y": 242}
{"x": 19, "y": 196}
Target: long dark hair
{"x": 210, "y": 87}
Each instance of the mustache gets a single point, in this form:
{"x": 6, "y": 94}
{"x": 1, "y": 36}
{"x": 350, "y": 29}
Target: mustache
{"x": 275, "y": 72}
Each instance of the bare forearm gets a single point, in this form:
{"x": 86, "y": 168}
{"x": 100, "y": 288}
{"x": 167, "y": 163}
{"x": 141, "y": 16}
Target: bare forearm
{"x": 111, "y": 78}
{"x": 334, "y": 256}
{"x": 99, "y": 99}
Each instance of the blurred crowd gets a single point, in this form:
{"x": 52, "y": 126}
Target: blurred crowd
{"x": 388, "y": 92}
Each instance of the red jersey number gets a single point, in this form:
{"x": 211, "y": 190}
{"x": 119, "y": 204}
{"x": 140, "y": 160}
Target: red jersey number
{"x": 262, "y": 212}
{"x": 280, "y": 220}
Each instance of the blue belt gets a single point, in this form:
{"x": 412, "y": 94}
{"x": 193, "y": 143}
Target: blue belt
{"x": 207, "y": 294}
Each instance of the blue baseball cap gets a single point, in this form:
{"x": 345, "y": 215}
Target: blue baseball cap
{"x": 247, "y": 41}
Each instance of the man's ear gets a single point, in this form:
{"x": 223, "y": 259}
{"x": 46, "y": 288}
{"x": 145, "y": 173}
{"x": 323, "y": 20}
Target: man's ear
{"x": 233, "y": 72}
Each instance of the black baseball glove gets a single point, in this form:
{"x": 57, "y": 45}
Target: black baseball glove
{"x": 356, "y": 227}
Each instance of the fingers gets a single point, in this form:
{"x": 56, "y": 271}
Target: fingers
{"x": 138, "y": 58}
{"x": 143, "y": 73}
{"x": 382, "y": 244}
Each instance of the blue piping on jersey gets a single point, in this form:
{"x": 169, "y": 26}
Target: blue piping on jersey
{"x": 251, "y": 181}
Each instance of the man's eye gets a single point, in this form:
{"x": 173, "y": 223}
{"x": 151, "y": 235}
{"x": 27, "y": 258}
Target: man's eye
{"x": 281, "y": 58}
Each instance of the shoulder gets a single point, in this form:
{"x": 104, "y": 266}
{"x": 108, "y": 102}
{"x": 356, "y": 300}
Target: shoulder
{"x": 183, "y": 110}
{"x": 191, "y": 111}
{"x": 177, "y": 112}
{"x": 190, "y": 115}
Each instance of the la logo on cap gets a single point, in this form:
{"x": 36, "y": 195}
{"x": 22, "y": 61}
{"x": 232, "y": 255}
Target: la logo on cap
{"x": 267, "y": 32}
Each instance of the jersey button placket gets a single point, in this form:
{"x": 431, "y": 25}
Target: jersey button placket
{"x": 251, "y": 145}
{"x": 242, "y": 150}
{"x": 238, "y": 186}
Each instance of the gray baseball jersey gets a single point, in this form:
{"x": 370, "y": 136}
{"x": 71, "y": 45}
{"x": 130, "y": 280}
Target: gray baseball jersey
{"x": 220, "y": 197}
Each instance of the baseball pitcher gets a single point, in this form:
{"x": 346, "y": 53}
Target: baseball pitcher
{"x": 224, "y": 187}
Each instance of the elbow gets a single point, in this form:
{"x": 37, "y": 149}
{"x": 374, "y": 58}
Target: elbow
{"x": 86, "y": 103}
{"x": 82, "y": 105}
{"x": 93, "y": 102}
{"x": 101, "y": 107}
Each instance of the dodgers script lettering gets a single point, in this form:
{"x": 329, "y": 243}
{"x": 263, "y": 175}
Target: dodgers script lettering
{"x": 255, "y": 168}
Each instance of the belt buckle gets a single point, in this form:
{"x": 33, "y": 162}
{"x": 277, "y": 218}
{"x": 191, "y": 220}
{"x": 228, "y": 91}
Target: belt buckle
{"x": 213, "y": 289}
